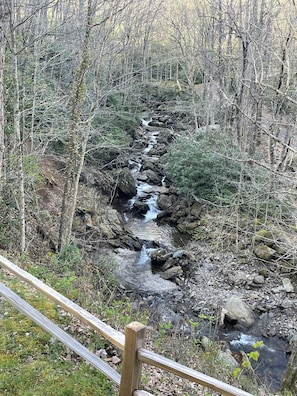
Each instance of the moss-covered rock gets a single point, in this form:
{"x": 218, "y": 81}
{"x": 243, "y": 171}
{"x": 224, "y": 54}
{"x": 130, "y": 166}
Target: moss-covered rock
{"x": 266, "y": 237}
{"x": 264, "y": 252}
{"x": 188, "y": 228}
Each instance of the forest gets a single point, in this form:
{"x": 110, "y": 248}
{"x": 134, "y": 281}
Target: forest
{"x": 78, "y": 76}
{"x": 67, "y": 68}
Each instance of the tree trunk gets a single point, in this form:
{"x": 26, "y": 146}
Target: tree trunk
{"x": 289, "y": 383}
{"x": 3, "y": 26}
{"x": 78, "y": 138}
{"x": 19, "y": 140}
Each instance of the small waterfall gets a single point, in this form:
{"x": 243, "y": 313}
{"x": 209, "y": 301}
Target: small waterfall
{"x": 152, "y": 141}
{"x": 144, "y": 260}
{"x": 135, "y": 267}
{"x": 153, "y": 211}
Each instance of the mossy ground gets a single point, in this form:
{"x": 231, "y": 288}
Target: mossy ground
{"x": 33, "y": 363}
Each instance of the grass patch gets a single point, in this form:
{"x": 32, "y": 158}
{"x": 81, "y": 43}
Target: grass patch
{"x": 34, "y": 363}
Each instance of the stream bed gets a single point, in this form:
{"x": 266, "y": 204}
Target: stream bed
{"x": 135, "y": 272}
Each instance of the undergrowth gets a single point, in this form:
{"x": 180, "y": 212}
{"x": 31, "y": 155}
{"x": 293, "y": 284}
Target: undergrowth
{"x": 34, "y": 363}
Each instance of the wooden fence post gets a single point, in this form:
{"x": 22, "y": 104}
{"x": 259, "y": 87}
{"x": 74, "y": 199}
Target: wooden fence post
{"x": 131, "y": 371}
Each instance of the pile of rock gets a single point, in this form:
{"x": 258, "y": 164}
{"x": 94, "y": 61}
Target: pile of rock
{"x": 176, "y": 266}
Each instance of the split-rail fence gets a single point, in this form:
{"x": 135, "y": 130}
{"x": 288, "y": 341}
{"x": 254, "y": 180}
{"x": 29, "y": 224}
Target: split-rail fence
{"x": 132, "y": 343}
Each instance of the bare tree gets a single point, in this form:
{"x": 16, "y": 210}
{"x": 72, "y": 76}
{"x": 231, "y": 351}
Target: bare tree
{"x": 4, "y": 14}
{"x": 81, "y": 109}
{"x": 19, "y": 18}
{"x": 77, "y": 137}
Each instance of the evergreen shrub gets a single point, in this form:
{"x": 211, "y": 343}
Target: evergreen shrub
{"x": 205, "y": 165}
{"x": 211, "y": 166}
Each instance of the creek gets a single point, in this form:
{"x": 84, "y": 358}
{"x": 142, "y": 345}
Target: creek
{"x": 135, "y": 269}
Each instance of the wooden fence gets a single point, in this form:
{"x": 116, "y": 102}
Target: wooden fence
{"x": 132, "y": 343}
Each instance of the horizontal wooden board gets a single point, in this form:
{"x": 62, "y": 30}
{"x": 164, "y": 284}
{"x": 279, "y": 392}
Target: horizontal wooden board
{"x": 160, "y": 361}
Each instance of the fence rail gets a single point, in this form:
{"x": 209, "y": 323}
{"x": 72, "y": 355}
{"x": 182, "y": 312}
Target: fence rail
{"x": 132, "y": 343}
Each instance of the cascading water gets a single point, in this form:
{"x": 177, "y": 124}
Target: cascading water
{"x": 146, "y": 228}
{"x": 272, "y": 360}
{"x": 153, "y": 211}
{"x": 138, "y": 273}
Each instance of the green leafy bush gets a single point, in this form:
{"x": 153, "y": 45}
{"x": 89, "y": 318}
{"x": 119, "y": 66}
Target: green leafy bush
{"x": 211, "y": 166}
{"x": 111, "y": 133}
{"x": 206, "y": 165}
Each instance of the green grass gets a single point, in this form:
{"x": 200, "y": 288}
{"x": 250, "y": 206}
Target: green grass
{"x": 32, "y": 363}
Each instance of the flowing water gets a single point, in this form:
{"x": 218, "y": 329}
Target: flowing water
{"x": 273, "y": 360}
{"x": 138, "y": 275}
{"x": 135, "y": 267}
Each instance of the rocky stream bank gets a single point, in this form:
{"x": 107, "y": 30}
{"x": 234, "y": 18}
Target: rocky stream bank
{"x": 240, "y": 294}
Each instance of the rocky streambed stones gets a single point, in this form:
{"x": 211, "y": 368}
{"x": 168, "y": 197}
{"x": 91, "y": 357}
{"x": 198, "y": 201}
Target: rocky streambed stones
{"x": 237, "y": 311}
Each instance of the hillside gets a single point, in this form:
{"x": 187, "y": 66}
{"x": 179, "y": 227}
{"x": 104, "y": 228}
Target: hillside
{"x": 148, "y": 170}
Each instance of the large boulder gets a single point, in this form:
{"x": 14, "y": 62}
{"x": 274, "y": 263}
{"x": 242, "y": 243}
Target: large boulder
{"x": 165, "y": 201}
{"x": 152, "y": 177}
{"x": 140, "y": 207}
{"x": 100, "y": 224}
{"x": 238, "y": 311}
{"x": 151, "y": 165}
{"x": 165, "y": 136}
{"x": 126, "y": 182}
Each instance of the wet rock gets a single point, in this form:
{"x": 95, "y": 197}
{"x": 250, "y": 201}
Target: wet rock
{"x": 142, "y": 177}
{"x": 179, "y": 254}
{"x": 159, "y": 150}
{"x": 149, "y": 165}
{"x": 179, "y": 213}
{"x": 152, "y": 177}
{"x": 165, "y": 201}
{"x": 141, "y": 279}
{"x": 168, "y": 264}
{"x": 157, "y": 124}
{"x": 172, "y": 273}
{"x": 159, "y": 256}
{"x": 238, "y": 311}
{"x": 165, "y": 136}
{"x": 140, "y": 207}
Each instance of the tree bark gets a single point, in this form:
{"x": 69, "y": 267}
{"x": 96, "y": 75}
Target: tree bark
{"x": 289, "y": 383}
{"x": 3, "y": 26}
{"x": 18, "y": 135}
{"x": 77, "y": 138}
